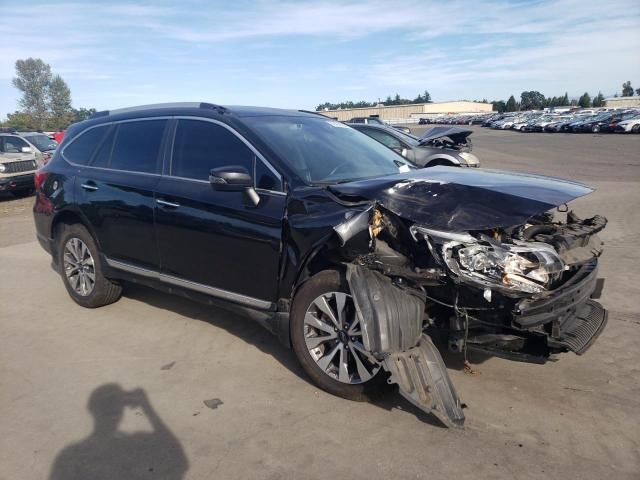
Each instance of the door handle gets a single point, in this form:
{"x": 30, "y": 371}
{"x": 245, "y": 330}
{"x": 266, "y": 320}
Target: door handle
{"x": 89, "y": 187}
{"x": 164, "y": 203}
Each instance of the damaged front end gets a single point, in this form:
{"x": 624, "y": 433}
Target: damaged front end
{"x": 523, "y": 292}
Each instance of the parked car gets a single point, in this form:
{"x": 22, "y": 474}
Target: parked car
{"x": 617, "y": 118}
{"x": 439, "y": 146}
{"x": 377, "y": 121}
{"x": 41, "y": 144}
{"x": 631, "y": 125}
{"x": 17, "y": 165}
{"x": 593, "y": 124}
{"x": 326, "y": 237}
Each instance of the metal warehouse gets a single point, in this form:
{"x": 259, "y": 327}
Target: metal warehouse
{"x": 407, "y": 112}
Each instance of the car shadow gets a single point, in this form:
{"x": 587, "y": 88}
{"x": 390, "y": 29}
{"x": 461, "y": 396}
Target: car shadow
{"x": 109, "y": 453}
{"x": 254, "y": 334}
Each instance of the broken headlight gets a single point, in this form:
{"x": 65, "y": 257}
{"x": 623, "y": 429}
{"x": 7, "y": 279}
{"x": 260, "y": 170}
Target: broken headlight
{"x": 529, "y": 268}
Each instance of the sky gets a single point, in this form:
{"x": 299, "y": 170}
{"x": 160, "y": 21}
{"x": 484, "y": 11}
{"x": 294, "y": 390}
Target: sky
{"x": 298, "y": 54}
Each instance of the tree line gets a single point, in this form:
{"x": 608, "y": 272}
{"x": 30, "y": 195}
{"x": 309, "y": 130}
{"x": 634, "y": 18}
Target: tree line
{"x": 45, "y": 102}
{"x": 534, "y": 100}
{"x": 396, "y": 100}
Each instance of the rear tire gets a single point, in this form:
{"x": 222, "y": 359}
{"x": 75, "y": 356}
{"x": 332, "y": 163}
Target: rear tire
{"x": 635, "y": 129}
{"x": 328, "y": 282}
{"x": 595, "y": 129}
{"x": 81, "y": 270}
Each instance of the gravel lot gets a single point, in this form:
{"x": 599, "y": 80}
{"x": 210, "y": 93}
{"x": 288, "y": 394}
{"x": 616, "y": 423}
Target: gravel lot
{"x": 575, "y": 418}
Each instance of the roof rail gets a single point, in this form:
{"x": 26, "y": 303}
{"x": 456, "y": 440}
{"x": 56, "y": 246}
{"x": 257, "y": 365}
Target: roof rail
{"x": 201, "y": 105}
{"x": 314, "y": 113}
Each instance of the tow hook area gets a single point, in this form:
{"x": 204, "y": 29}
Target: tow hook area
{"x": 391, "y": 317}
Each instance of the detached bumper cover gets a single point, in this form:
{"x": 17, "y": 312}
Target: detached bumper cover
{"x": 576, "y": 320}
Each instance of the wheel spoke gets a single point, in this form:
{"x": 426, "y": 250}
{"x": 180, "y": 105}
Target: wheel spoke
{"x": 313, "y": 321}
{"x": 313, "y": 342}
{"x": 355, "y": 325}
{"x": 360, "y": 348}
{"x": 324, "y": 307}
{"x": 324, "y": 362}
{"x": 341, "y": 301}
{"x": 343, "y": 373}
{"x": 363, "y": 373}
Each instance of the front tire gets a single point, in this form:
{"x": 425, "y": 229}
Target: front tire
{"x": 81, "y": 271}
{"x": 327, "y": 339}
{"x": 595, "y": 129}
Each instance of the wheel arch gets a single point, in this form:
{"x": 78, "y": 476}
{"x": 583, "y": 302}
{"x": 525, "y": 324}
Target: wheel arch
{"x": 69, "y": 216}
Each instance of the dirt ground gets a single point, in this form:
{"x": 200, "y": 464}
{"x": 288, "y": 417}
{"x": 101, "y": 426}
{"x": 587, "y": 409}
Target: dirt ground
{"x": 120, "y": 391}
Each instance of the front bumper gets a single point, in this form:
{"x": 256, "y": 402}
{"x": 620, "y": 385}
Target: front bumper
{"x": 18, "y": 182}
{"x": 568, "y": 315}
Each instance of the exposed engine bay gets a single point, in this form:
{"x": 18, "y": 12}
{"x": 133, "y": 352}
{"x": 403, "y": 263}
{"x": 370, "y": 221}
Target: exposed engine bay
{"x": 521, "y": 292}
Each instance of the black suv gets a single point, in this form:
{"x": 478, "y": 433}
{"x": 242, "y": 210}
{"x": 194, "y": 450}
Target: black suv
{"x": 326, "y": 237}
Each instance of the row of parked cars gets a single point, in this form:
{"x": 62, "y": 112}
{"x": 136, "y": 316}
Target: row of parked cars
{"x": 594, "y": 121}
{"x": 622, "y": 121}
{"x": 21, "y": 153}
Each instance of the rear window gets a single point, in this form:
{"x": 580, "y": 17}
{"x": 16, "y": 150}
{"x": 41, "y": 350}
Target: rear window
{"x": 137, "y": 146}
{"x": 81, "y": 148}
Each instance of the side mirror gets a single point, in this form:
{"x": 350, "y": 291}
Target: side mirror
{"x": 233, "y": 178}
{"x": 26, "y": 150}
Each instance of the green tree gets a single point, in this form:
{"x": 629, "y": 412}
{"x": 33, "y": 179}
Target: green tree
{"x": 20, "y": 121}
{"x": 564, "y": 101}
{"x": 511, "y": 105}
{"x": 80, "y": 114}
{"x": 499, "y": 105}
{"x": 59, "y": 103}
{"x": 585, "y": 100}
{"x": 532, "y": 100}
{"x": 32, "y": 79}
{"x": 627, "y": 89}
{"x": 598, "y": 100}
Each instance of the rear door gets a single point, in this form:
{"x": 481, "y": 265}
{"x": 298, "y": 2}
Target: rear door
{"x": 115, "y": 187}
{"x": 216, "y": 242}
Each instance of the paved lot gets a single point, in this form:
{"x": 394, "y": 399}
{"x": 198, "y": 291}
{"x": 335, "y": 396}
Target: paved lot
{"x": 577, "y": 418}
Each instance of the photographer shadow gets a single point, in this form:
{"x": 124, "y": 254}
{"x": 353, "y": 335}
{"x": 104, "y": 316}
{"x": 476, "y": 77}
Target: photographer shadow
{"x": 108, "y": 453}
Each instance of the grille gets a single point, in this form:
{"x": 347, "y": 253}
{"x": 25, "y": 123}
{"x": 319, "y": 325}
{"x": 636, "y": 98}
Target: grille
{"x": 22, "y": 166}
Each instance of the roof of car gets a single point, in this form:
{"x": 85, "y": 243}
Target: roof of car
{"x": 237, "y": 110}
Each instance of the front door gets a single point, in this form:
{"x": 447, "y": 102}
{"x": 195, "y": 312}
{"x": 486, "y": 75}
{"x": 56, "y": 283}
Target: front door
{"x": 218, "y": 242}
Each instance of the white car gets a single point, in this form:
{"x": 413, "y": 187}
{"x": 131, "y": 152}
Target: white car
{"x": 632, "y": 125}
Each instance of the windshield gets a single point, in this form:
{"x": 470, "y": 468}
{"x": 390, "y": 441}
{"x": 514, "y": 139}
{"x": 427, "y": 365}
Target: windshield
{"x": 42, "y": 142}
{"x": 323, "y": 151}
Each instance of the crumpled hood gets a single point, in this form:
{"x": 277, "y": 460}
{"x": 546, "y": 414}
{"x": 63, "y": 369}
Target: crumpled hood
{"x": 460, "y": 199}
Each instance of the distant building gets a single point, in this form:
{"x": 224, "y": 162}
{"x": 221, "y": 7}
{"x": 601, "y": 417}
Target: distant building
{"x": 622, "y": 102}
{"x": 405, "y": 112}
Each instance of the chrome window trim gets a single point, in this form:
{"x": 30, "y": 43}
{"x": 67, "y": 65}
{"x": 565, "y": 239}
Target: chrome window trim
{"x": 198, "y": 287}
{"x": 259, "y": 190}
{"x": 116, "y": 122}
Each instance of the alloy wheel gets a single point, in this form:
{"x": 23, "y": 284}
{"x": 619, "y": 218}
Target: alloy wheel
{"x": 79, "y": 267}
{"x": 333, "y": 335}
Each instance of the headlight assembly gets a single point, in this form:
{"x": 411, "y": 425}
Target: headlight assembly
{"x": 485, "y": 263}
{"x": 2, "y": 167}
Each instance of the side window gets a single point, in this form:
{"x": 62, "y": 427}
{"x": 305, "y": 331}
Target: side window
{"x": 200, "y": 146}
{"x": 137, "y": 147}
{"x": 13, "y": 144}
{"x": 265, "y": 178}
{"x": 103, "y": 154}
{"x": 81, "y": 149}
{"x": 384, "y": 138}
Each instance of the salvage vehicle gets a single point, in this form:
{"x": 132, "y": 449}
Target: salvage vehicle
{"x": 448, "y": 146}
{"x": 329, "y": 239}
{"x": 17, "y": 165}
